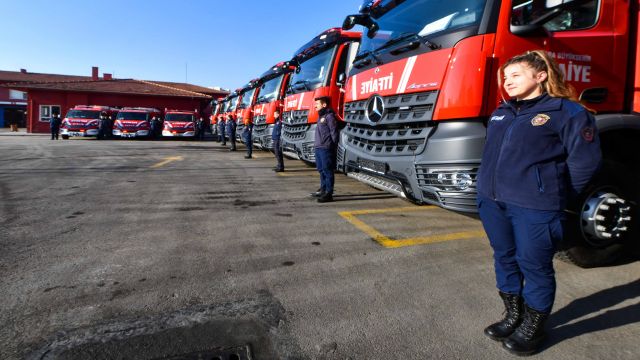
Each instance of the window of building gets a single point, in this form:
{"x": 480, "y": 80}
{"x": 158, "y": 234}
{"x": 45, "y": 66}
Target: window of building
{"x": 17, "y": 95}
{"x": 46, "y": 111}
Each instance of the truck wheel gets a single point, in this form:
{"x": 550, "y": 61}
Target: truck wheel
{"x": 601, "y": 227}
{"x": 65, "y": 137}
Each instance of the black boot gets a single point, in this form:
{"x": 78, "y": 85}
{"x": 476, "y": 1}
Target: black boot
{"x": 318, "y": 193}
{"x": 528, "y": 337}
{"x": 325, "y": 197}
{"x": 513, "y": 309}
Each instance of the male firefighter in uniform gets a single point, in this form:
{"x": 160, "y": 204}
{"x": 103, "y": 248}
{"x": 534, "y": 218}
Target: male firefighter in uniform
{"x": 221, "y": 130}
{"x": 246, "y": 135}
{"x": 54, "y": 125}
{"x": 277, "y": 144}
{"x": 104, "y": 128}
{"x": 326, "y": 144}
{"x": 201, "y": 127}
{"x": 231, "y": 131}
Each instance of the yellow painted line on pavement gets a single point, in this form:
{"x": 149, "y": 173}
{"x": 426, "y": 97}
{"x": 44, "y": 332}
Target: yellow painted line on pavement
{"x": 387, "y": 242}
{"x": 166, "y": 161}
{"x": 298, "y": 173}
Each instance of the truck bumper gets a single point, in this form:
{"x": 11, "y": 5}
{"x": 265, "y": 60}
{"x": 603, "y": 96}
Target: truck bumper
{"x": 443, "y": 174}
{"x": 132, "y": 134}
{"x": 178, "y": 134}
{"x": 84, "y": 133}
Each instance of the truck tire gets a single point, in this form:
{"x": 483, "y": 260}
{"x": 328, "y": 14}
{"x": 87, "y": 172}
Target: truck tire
{"x": 601, "y": 226}
{"x": 65, "y": 137}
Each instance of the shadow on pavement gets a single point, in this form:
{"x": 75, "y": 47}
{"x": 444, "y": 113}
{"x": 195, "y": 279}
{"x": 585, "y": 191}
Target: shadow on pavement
{"x": 559, "y": 321}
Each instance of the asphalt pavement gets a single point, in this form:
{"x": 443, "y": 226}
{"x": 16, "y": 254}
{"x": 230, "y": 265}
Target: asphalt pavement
{"x": 155, "y": 249}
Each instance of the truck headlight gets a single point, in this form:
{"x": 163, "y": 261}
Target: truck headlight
{"x": 447, "y": 179}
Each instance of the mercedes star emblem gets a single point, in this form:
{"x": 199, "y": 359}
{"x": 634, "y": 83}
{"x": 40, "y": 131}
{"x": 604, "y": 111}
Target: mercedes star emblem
{"x": 375, "y": 108}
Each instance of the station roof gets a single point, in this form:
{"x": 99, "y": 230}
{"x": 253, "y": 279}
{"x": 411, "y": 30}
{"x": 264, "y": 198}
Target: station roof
{"x": 36, "y": 81}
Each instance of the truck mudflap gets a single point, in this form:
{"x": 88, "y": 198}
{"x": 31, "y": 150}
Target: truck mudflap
{"x": 443, "y": 174}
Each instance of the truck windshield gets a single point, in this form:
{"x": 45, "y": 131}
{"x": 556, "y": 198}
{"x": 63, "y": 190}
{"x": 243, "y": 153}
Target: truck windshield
{"x": 178, "y": 117}
{"x": 233, "y": 103}
{"x": 122, "y": 115}
{"x": 83, "y": 114}
{"x": 423, "y": 18}
{"x": 270, "y": 90}
{"x": 313, "y": 72}
{"x": 247, "y": 97}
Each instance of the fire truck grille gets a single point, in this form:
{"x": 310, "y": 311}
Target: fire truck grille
{"x": 309, "y": 151}
{"x": 260, "y": 119}
{"x": 402, "y": 130}
{"x": 261, "y": 129}
{"x": 340, "y": 155}
{"x": 295, "y": 117}
{"x": 399, "y": 141}
{"x": 294, "y": 132}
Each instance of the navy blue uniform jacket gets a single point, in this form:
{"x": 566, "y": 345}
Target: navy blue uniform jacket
{"x": 231, "y": 126}
{"x": 277, "y": 130}
{"x": 326, "y": 136}
{"x": 539, "y": 153}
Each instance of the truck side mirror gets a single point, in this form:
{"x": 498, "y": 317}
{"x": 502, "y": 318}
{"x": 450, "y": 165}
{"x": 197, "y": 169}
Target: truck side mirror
{"x": 361, "y": 19}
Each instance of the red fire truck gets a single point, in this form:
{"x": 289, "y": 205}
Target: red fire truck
{"x": 273, "y": 84}
{"x": 244, "y": 110}
{"x": 424, "y": 82}
{"x": 230, "y": 109}
{"x": 322, "y": 65}
{"x": 179, "y": 123}
{"x": 216, "y": 107}
{"x": 132, "y": 122}
{"x": 83, "y": 120}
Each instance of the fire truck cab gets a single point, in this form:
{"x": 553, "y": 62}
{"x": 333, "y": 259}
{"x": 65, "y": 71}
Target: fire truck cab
{"x": 321, "y": 68}
{"x": 230, "y": 109}
{"x": 83, "y": 120}
{"x": 179, "y": 123}
{"x": 272, "y": 85}
{"x": 133, "y": 122}
{"x": 244, "y": 110}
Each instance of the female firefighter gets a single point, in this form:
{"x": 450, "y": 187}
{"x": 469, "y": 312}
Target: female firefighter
{"x": 542, "y": 149}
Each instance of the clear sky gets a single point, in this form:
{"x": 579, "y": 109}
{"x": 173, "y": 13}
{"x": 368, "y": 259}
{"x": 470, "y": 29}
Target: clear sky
{"x": 222, "y": 43}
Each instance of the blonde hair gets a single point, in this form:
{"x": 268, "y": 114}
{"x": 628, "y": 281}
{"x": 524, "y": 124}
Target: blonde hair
{"x": 539, "y": 60}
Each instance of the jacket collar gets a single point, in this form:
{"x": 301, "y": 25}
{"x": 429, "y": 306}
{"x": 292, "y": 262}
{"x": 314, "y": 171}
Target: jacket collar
{"x": 324, "y": 111}
{"x": 542, "y": 103}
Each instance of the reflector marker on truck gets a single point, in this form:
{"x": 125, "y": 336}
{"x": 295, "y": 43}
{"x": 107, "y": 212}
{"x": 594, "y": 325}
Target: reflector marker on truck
{"x": 406, "y": 74}
{"x": 387, "y": 242}
{"x": 354, "y": 93}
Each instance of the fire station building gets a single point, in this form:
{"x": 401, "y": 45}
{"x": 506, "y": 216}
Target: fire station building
{"x": 41, "y": 95}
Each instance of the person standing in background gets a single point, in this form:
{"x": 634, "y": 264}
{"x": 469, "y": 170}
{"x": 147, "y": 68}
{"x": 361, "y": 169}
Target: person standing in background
{"x": 277, "y": 144}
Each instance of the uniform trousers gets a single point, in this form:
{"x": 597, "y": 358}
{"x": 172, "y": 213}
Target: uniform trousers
{"x": 524, "y": 242}
{"x": 326, "y": 163}
{"x": 277, "y": 150}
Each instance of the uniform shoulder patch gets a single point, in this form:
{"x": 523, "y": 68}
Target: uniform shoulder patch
{"x": 588, "y": 134}
{"x": 540, "y": 119}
